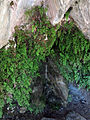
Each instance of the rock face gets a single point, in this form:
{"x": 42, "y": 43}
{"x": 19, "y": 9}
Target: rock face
{"x": 4, "y": 22}
{"x": 81, "y": 15}
{"x": 48, "y": 119}
{"x": 57, "y": 83}
{"x": 57, "y": 9}
{"x": 74, "y": 116}
{"x": 12, "y": 14}
{"x": 50, "y": 86}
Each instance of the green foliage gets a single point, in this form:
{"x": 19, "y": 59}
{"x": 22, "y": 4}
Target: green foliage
{"x": 16, "y": 70}
{"x": 39, "y": 107}
{"x": 55, "y": 106}
{"x": 1, "y": 98}
{"x": 68, "y": 13}
{"x": 19, "y": 65}
{"x": 42, "y": 30}
{"x": 74, "y": 56}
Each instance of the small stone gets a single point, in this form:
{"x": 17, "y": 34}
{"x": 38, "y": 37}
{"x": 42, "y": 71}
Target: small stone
{"x": 22, "y": 110}
{"x": 83, "y": 101}
{"x": 8, "y": 108}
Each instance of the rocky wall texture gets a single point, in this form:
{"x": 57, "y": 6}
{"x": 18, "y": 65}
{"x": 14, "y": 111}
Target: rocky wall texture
{"x": 81, "y": 15}
{"x": 57, "y": 9}
{"x": 12, "y": 14}
{"x": 4, "y": 22}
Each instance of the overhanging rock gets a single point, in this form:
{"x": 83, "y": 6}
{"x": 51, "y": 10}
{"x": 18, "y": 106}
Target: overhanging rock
{"x": 12, "y": 14}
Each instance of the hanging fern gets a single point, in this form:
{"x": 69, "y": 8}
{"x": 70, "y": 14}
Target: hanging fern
{"x": 74, "y": 54}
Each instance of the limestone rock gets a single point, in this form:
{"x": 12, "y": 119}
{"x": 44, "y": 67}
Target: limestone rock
{"x": 57, "y": 9}
{"x": 74, "y": 116}
{"x": 4, "y": 22}
{"x": 12, "y": 14}
{"x": 81, "y": 15}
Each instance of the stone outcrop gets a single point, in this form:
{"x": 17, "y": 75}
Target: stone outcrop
{"x": 50, "y": 86}
{"x": 4, "y": 22}
{"x": 57, "y": 82}
{"x": 74, "y": 116}
{"x": 57, "y": 9}
{"x": 47, "y": 119}
{"x": 81, "y": 15}
{"x": 12, "y": 14}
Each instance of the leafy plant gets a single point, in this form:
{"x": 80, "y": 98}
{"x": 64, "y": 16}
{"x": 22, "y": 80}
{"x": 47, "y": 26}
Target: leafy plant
{"x": 19, "y": 63}
{"x": 74, "y": 56}
{"x": 68, "y": 13}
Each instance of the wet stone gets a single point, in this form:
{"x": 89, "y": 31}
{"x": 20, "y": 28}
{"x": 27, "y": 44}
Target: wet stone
{"x": 22, "y": 110}
{"x": 48, "y": 119}
{"x": 74, "y": 116}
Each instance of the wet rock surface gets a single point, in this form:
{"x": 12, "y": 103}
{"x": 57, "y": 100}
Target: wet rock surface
{"x": 74, "y": 116}
{"x": 78, "y": 108}
{"x": 47, "y": 119}
{"x": 80, "y": 102}
{"x": 56, "y": 83}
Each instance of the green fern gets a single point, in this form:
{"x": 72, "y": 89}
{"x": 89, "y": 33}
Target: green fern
{"x": 20, "y": 65}
{"x": 73, "y": 50}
